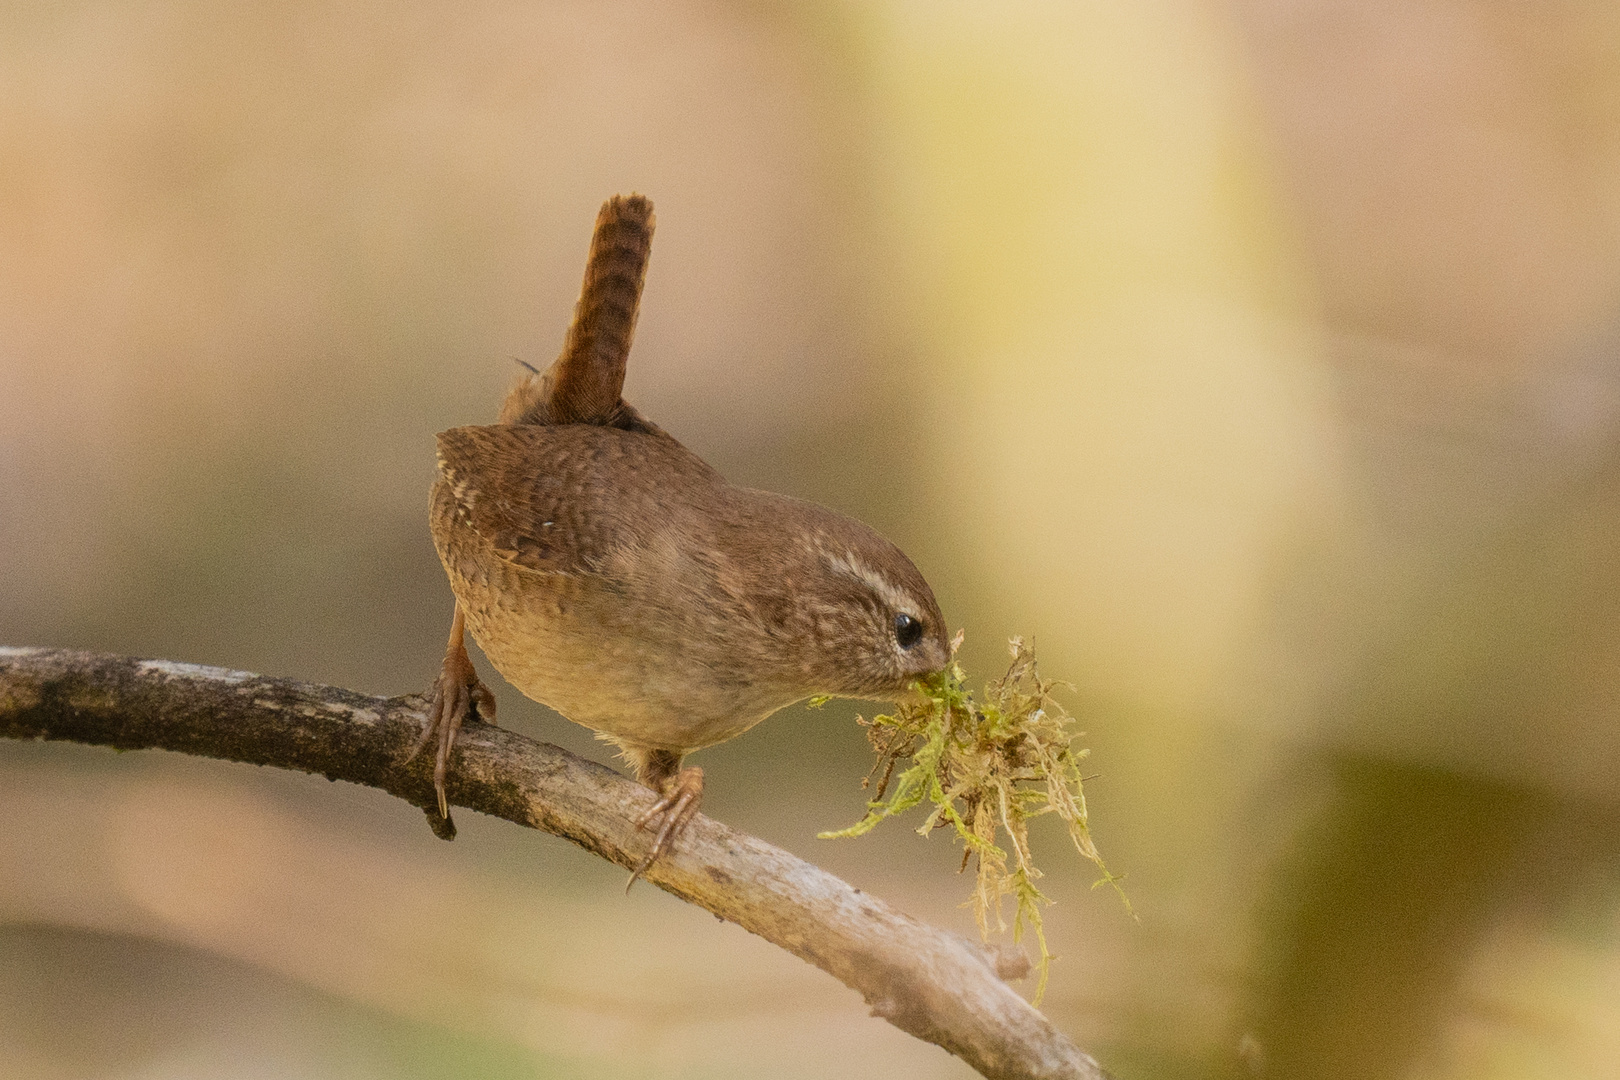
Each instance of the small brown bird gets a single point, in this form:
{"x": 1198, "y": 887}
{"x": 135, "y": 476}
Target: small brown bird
{"x": 608, "y": 572}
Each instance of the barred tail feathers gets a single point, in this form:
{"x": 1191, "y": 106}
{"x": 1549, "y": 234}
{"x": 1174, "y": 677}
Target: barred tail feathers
{"x": 583, "y": 385}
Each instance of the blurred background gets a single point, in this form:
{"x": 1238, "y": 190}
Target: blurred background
{"x": 1260, "y": 358}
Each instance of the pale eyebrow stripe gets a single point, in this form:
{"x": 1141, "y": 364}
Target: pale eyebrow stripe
{"x": 851, "y": 566}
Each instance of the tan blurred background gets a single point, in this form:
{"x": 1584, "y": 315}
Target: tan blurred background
{"x": 1261, "y": 359}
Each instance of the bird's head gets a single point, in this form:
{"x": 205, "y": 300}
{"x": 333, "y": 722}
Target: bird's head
{"x": 875, "y": 623}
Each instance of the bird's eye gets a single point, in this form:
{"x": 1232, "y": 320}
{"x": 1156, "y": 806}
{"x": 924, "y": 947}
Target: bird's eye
{"x": 907, "y": 631}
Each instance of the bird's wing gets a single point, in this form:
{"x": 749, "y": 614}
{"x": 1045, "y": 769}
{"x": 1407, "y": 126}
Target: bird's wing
{"x": 560, "y": 499}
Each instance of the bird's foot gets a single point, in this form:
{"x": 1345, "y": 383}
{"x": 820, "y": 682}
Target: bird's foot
{"x": 457, "y": 693}
{"x": 679, "y": 797}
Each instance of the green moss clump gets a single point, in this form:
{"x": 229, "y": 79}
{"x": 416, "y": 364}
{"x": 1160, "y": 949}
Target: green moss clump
{"x": 987, "y": 766}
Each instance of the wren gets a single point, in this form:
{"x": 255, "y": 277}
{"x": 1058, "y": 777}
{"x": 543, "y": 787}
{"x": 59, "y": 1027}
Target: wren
{"x": 609, "y": 573}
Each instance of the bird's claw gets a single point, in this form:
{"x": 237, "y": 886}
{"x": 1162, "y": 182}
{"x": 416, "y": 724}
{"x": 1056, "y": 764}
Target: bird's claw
{"x": 457, "y": 693}
{"x": 669, "y": 815}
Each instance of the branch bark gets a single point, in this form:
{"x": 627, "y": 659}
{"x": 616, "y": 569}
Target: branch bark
{"x": 929, "y": 983}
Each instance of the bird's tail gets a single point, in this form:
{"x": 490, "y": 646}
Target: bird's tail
{"x": 583, "y": 385}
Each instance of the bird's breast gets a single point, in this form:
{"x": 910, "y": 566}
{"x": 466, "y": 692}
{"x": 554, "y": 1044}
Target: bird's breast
{"x": 625, "y": 654}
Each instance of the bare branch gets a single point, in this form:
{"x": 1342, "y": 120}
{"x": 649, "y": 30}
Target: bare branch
{"x": 927, "y": 982}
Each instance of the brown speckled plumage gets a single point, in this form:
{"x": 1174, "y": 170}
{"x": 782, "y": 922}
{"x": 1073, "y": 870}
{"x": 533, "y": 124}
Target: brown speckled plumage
{"x": 610, "y": 573}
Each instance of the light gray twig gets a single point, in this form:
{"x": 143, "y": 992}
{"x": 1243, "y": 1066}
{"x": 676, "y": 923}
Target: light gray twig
{"x": 927, "y": 982}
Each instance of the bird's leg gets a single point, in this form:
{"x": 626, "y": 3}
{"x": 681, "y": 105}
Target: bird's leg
{"x": 680, "y": 791}
{"x": 456, "y": 693}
